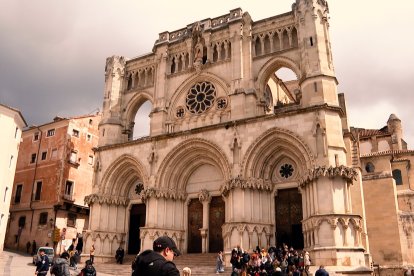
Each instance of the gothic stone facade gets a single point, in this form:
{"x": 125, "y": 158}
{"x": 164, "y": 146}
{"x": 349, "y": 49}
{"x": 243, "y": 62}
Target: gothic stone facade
{"x": 231, "y": 146}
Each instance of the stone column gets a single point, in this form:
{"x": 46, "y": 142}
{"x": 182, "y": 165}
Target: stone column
{"x": 205, "y": 199}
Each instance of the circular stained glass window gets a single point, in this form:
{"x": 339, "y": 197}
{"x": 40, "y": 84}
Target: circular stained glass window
{"x": 286, "y": 170}
{"x": 200, "y": 97}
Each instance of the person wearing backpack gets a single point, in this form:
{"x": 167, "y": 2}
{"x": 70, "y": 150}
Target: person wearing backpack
{"x": 88, "y": 270}
{"x": 61, "y": 265}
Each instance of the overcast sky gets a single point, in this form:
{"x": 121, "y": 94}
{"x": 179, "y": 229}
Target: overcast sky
{"x": 52, "y": 53}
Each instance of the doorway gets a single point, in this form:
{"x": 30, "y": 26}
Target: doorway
{"x": 289, "y": 217}
{"x": 216, "y": 217}
{"x": 195, "y": 223}
{"x": 136, "y": 221}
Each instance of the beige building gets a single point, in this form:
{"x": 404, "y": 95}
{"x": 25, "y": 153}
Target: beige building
{"x": 53, "y": 175}
{"x": 11, "y": 123}
{"x": 387, "y": 179}
{"x": 237, "y": 154}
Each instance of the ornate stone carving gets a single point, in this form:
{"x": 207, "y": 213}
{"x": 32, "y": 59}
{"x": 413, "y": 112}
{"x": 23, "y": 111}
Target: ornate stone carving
{"x": 106, "y": 199}
{"x": 204, "y": 195}
{"x": 250, "y": 183}
{"x": 115, "y": 63}
{"x": 349, "y": 174}
{"x": 162, "y": 193}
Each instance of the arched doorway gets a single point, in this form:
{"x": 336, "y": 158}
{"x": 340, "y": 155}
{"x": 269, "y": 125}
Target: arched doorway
{"x": 216, "y": 221}
{"x": 288, "y": 204}
{"x": 136, "y": 221}
{"x": 195, "y": 223}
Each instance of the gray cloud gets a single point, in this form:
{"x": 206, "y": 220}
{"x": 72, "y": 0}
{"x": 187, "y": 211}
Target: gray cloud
{"x": 53, "y": 53}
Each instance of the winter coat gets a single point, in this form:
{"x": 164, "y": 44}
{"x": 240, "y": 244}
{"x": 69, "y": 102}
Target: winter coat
{"x": 65, "y": 265}
{"x": 150, "y": 263}
{"x": 88, "y": 271}
{"x": 42, "y": 266}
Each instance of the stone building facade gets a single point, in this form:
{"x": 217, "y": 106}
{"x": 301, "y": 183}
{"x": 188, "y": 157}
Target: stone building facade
{"x": 235, "y": 155}
{"x": 53, "y": 175}
{"x": 387, "y": 179}
{"x": 12, "y": 124}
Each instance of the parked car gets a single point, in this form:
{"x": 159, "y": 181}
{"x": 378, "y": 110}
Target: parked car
{"x": 49, "y": 251}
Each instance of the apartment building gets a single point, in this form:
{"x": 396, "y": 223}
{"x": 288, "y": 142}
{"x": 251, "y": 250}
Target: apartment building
{"x": 11, "y": 123}
{"x": 53, "y": 174}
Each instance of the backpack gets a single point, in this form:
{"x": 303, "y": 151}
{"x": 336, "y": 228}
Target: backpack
{"x": 56, "y": 269}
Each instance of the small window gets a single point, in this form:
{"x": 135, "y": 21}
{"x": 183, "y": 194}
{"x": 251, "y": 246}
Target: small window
{"x": 54, "y": 154}
{"x": 71, "y": 220}
{"x": 44, "y": 155}
{"x": 36, "y": 136}
{"x": 369, "y": 167}
{"x": 311, "y": 41}
{"x": 68, "y": 187}
{"x": 88, "y": 137}
{"x": 90, "y": 121}
{"x": 43, "y": 218}
{"x": 90, "y": 160}
{"x": 396, "y": 174}
{"x": 73, "y": 157}
{"x": 11, "y": 161}
{"x": 5, "y": 194}
{"x": 18, "y": 195}
{"x": 50, "y": 132}
{"x": 38, "y": 190}
{"x": 75, "y": 133}
{"x": 22, "y": 221}
{"x": 33, "y": 158}
{"x": 16, "y": 131}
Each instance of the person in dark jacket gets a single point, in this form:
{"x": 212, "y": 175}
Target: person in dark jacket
{"x": 79, "y": 245}
{"x": 42, "y": 266}
{"x": 159, "y": 261}
{"x": 321, "y": 271}
{"x": 119, "y": 255}
{"x": 34, "y": 248}
{"x": 62, "y": 265}
{"x": 88, "y": 270}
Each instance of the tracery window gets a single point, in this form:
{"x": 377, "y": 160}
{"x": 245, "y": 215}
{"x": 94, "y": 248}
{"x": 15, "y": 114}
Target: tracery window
{"x": 286, "y": 170}
{"x": 221, "y": 103}
{"x": 200, "y": 97}
{"x": 180, "y": 112}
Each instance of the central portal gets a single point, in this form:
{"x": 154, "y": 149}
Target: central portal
{"x": 289, "y": 218}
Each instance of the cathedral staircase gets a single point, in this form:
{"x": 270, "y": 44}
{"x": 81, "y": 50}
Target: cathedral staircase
{"x": 200, "y": 264}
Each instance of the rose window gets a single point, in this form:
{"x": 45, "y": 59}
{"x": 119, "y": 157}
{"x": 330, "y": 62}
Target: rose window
{"x": 286, "y": 170}
{"x": 200, "y": 97}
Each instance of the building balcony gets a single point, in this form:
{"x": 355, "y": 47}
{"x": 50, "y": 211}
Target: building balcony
{"x": 68, "y": 197}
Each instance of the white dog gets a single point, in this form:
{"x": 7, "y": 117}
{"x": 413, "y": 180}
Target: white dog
{"x": 186, "y": 271}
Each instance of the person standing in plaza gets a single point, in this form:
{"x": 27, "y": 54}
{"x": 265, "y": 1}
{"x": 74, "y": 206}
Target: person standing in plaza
{"x": 28, "y": 247}
{"x": 159, "y": 261}
{"x": 42, "y": 265}
{"x": 220, "y": 263}
{"x": 119, "y": 255}
{"x": 92, "y": 253}
{"x": 34, "y": 247}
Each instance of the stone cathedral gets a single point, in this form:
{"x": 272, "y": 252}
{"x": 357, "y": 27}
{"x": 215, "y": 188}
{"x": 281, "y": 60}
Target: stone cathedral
{"x": 235, "y": 155}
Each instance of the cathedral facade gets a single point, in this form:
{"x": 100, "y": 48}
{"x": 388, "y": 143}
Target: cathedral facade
{"x": 235, "y": 155}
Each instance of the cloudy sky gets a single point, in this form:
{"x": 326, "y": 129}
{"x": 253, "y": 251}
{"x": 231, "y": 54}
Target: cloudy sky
{"x": 52, "y": 52}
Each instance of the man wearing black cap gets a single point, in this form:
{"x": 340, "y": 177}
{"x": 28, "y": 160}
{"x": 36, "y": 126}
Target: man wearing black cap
{"x": 157, "y": 262}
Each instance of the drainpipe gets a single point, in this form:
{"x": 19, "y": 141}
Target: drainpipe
{"x": 34, "y": 178}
